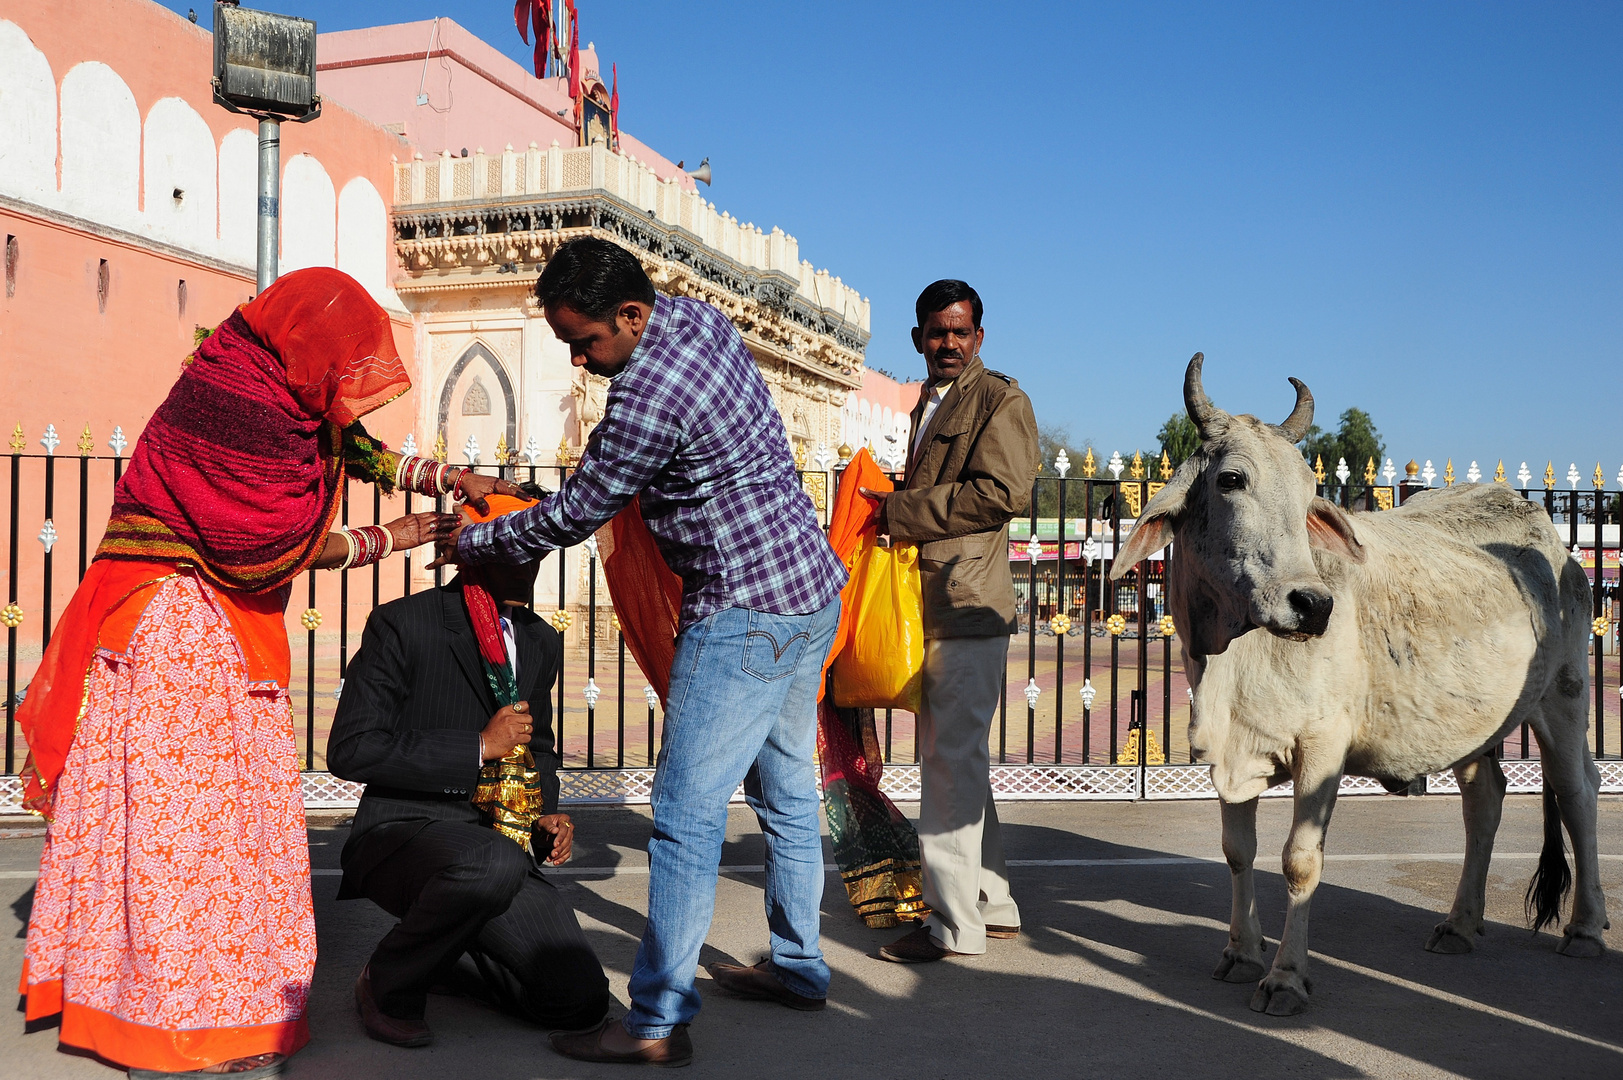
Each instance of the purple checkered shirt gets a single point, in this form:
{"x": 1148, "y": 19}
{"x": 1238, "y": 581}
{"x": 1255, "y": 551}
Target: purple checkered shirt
{"x": 690, "y": 426}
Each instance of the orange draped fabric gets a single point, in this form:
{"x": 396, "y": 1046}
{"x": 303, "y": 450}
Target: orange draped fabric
{"x": 854, "y": 514}
{"x": 647, "y": 595}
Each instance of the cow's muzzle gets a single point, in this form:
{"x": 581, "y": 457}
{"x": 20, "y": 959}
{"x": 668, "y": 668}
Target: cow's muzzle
{"x": 1312, "y": 609}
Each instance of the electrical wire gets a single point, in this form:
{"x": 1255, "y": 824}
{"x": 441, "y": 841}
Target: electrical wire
{"x": 422, "y": 82}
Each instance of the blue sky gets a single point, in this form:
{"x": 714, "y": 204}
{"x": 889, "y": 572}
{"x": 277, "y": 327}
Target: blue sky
{"x": 1416, "y": 208}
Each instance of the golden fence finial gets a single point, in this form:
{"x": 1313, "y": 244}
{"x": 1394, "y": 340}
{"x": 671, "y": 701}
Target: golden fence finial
{"x": 565, "y": 457}
{"x": 1600, "y": 478}
{"x": 502, "y": 454}
{"x": 1549, "y": 475}
{"x": 439, "y": 447}
{"x": 88, "y": 444}
{"x": 1090, "y": 464}
{"x": 1166, "y": 466}
{"x": 1318, "y": 469}
{"x": 1448, "y": 473}
{"x": 1369, "y": 473}
{"x": 18, "y": 440}
{"x": 1137, "y": 471}
{"x": 1499, "y": 473}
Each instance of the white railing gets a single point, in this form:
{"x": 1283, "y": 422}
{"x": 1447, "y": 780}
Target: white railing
{"x": 556, "y": 170}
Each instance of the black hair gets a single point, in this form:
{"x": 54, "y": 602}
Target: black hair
{"x": 594, "y": 277}
{"x": 533, "y": 490}
{"x": 939, "y": 295}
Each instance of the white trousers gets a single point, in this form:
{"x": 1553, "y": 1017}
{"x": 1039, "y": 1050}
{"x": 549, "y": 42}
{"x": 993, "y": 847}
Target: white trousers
{"x": 966, "y": 882}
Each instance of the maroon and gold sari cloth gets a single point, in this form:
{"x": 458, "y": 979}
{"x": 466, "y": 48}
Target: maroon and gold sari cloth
{"x": 876, "y": 848}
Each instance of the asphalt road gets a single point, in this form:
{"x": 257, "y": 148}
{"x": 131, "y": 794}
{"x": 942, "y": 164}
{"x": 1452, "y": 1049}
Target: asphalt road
{"x": 1125, "y": 907}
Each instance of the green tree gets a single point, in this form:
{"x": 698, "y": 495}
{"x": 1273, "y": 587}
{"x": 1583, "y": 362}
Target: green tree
{"x": 1356, "y": 440}
{"x": 1178, "y": 437}
{"x": 1051, "y": 439}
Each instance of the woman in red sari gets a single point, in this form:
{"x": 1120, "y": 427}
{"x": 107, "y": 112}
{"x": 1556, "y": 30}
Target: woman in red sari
{"x": 171, "y": 928}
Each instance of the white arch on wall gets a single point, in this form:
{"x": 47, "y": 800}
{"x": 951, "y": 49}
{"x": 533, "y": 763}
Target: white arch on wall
{"x": 363, "y": 236}
{"x": 309, "y": 215}
{"x": 27, "y": 118}
{"x": 101, "y": 146}
{"x": 239, "y": 195}
{"x": 178, "y": 155}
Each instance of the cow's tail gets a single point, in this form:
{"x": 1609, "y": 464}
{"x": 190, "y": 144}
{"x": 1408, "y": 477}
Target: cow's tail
{"x": 1552, "y": 880}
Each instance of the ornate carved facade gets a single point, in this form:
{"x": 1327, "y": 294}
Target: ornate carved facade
{"x": 472, "y": 233}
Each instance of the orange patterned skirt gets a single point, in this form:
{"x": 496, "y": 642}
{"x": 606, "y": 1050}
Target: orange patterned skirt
{"x": 172, "y": 927}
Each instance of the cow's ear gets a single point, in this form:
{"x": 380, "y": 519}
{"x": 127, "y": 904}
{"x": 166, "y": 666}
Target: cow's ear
{"x": 1330, "y": 529}
{"x": 1154, "y": 528}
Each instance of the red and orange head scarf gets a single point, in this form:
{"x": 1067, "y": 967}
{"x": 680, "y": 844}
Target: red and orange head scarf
{"x": 334, "y": 341}
{"x": 240, "y": 470}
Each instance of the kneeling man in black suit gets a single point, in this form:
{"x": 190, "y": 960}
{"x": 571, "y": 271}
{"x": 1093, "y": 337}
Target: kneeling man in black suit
{"x": 416, "y": 721}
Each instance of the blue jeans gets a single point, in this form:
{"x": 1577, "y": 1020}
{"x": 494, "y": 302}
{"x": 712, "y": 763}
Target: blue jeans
{"x": 742, "y": 708}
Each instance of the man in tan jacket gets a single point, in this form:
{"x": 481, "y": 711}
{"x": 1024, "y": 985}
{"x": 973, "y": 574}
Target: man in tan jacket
{"x": 972, "y": 459}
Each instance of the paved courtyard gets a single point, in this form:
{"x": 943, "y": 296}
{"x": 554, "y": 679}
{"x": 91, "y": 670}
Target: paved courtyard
{"x": 1126, "y": 909}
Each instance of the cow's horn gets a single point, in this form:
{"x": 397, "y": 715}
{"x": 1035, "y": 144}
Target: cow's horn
{"x": 1301, "y": 418}
{"x": 1209, "y": 419}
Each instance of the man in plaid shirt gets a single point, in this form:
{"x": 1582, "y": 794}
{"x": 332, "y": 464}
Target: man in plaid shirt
{"x": 689, "y": 425}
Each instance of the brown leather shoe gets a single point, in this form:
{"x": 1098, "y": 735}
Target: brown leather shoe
{"x": 915, "y": 947}
{"x": 761, "y": 982}
{"x": 383, "y": 1027}
{"x": 1004, "y": 932}
{"x": 672, "y": 1052}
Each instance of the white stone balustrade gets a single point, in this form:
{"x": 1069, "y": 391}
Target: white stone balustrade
{"x": 557, "y": 170}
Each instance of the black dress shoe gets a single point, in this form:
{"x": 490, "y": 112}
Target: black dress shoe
{"x": 761, "y": 983}
{"x": 915, "y": 947}
{"x": 383, "y": 1027}
{"x": 672, "y": 1052}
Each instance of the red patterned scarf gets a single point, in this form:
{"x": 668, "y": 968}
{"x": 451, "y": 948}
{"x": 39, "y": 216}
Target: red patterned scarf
{"x": 240, "y": 469}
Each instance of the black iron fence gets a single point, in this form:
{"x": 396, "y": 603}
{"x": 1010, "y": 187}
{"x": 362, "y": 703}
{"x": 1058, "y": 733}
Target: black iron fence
{"x": 1075, "y": 624}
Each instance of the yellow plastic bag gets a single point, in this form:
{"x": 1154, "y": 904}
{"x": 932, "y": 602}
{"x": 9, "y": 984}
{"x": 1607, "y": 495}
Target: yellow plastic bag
{"x": 882, "y": 663}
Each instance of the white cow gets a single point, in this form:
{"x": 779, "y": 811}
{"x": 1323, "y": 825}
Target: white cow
{"x": 1389, "y": 645}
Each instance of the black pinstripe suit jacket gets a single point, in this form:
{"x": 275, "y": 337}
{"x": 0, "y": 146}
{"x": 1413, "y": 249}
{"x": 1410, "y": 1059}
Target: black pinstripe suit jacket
{"x": 415, "y": 700}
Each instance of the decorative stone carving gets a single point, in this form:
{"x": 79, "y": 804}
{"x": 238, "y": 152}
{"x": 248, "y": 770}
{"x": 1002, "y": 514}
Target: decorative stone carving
{"x": 476, "y": 402}
{"x": 591, "y": 394}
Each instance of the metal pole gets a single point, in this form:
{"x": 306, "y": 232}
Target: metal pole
{"x": 270, "y": 199}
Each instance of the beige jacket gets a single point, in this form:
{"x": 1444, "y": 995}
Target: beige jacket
{"x": 969, "y": 477}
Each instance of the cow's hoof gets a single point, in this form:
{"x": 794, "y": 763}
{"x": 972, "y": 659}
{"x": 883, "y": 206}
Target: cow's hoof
{"x": 1576, "y": 942}
{"x": 1238, "y": 968}
{"x": 1445, "y": 939}
{"x": 1279, "y": 996}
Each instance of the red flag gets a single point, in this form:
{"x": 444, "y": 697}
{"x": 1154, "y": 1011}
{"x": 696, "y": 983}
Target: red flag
{"x": 574, "y": 50}
{"x": 542, "y": 16}
{"x": 537, "y": 13}
{"x": 614, "y": 104}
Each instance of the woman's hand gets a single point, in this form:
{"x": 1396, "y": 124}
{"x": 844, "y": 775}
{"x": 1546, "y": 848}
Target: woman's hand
{"x": 415, "y": 530}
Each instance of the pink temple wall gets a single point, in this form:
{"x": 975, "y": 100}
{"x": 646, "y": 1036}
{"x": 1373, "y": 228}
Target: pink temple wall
{"x": 477, "y": 97}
